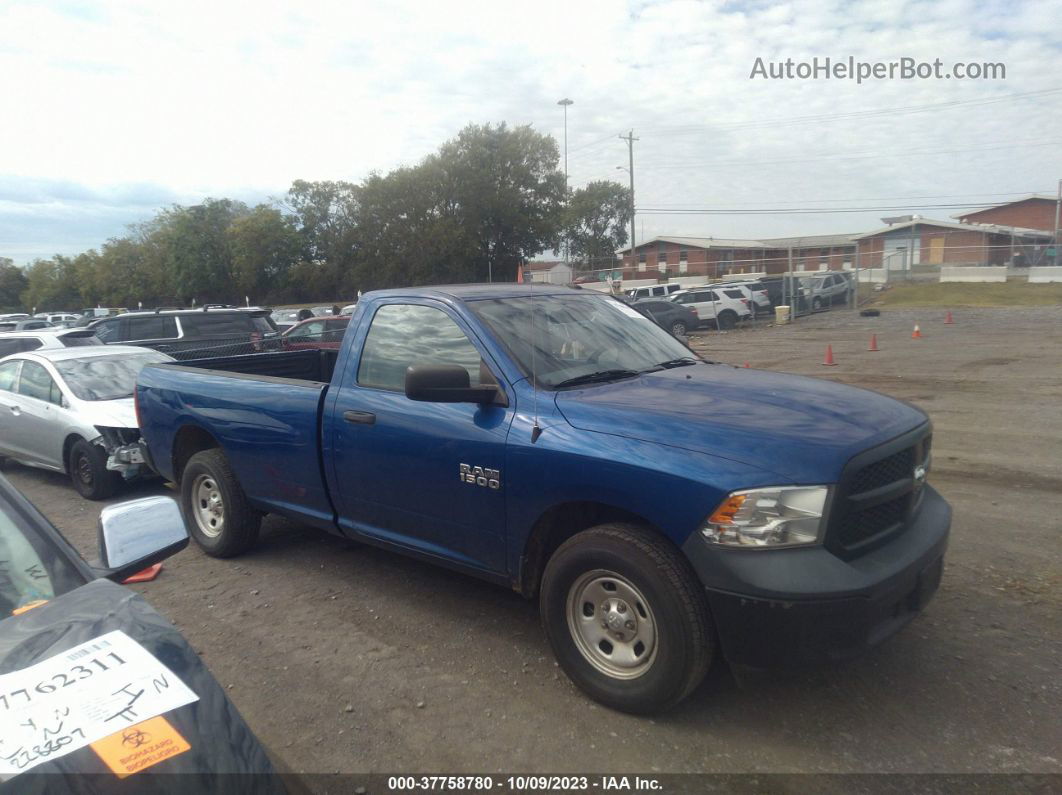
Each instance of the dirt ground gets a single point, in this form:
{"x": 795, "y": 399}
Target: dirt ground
{"x": 347, "y": 658}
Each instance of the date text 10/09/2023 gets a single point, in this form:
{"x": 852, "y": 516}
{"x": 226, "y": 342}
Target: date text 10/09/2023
{"x": 529, "y": 783}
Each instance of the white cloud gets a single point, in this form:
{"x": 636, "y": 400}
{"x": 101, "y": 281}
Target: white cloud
{"x": 240, "y": 98}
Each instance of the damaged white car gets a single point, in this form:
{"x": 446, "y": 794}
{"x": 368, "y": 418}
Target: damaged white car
{"x": 71, "y": 410}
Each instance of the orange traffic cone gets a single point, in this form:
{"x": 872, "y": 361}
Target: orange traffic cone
{"x": 829, "y": 362}
{"x": 917, "y": 333}
{"x": 948, "y": 319}
{"x": 147, "y": 575}
{"x": 873, "y": 343}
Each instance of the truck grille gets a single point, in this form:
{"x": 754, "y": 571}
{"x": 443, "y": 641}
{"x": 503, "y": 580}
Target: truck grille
{"x": 877, "y": 495}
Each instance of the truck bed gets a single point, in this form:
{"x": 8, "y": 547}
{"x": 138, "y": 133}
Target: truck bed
{"x": 263, "y": 409}
{"x": 305, "y": 365}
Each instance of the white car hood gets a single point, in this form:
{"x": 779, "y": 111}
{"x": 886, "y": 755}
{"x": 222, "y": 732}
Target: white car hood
{"x": 110, "y": 413}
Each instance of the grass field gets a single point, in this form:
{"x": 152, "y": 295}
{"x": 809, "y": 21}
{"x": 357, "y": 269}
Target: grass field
{"x": 960, "y": 294}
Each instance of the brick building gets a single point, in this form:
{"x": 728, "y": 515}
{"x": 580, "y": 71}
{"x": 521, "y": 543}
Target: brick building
{"x": 1036, "y": 211}
{"x": 925, "y": 242}
{"x": 713, "y": 257}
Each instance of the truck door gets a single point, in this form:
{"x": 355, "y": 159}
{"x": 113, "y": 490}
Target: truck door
{"x": 401, "y": 467}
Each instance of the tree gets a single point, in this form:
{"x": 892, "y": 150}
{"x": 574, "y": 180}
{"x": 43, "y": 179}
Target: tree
{"x": 504, "y": 188}
{"x": 51, "y": 284}
{"x": 13, "y": 283}
{"x": 195, "y": 245}
{"x": 263, "y": 246}
{"x": 596, "y": 222}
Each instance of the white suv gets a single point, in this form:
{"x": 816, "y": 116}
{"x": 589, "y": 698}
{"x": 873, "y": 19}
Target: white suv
{"x": 654, "y": 291}
{"x": 23, "y": 341}
{"x": 714, "y": 306}
{"x": 759, "y": 302}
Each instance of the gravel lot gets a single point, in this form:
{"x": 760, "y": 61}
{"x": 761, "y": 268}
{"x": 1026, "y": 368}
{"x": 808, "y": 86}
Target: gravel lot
{"x": 347, "y": 658}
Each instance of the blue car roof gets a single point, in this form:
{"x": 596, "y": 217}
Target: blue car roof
{"x": 472, "y": 292}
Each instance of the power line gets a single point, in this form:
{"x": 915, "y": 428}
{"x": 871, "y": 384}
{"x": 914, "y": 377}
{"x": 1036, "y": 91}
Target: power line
{"x": 900, "y": 110}
{"x": 853, "y": 156}
{"x": 805, "y": 210}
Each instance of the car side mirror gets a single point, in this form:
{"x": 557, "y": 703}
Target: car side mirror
{"x": 448, "y": 383}
{"x": 139, "y": 533}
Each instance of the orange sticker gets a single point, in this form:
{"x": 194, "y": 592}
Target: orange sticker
{"x": 137, "y": 747}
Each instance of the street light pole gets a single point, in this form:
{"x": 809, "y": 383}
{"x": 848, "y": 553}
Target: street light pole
{"x": 567, "y": 244}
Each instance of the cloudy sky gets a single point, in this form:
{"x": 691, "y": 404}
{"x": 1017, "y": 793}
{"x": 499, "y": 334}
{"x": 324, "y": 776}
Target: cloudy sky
{"x": 111, "y": 110}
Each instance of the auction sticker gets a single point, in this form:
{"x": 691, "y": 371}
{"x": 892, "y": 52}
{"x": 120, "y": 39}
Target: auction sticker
{"x": 88, "y": 692}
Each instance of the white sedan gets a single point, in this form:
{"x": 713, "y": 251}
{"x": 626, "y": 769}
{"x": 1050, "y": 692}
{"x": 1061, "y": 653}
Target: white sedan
{"x": 71, "y": 409}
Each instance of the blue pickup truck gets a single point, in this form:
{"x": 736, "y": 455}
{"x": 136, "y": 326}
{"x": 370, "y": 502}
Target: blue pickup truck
{"x": 665, "y": 510}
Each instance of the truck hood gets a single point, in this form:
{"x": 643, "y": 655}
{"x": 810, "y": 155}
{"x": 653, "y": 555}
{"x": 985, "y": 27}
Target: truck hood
{"x": 802, "y": 429}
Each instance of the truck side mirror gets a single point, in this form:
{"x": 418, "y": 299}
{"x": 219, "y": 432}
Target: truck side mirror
{"x": 139, "y": 533}
{"x": 448, "y": 383}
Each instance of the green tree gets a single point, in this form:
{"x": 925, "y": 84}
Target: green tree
{"x": 263, "y": 246}
{"x": 504, "y": 188}
{"x": 196, "y": 251}
{"x": 13, "y": 283}
{"x": 596, "y": 221}
{"x": 51, "y": 284}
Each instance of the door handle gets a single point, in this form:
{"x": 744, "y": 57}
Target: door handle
{"x": 15, "y": 410}
{"x": 360, "y": 417}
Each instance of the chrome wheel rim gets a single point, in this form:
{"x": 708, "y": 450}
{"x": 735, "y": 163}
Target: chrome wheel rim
{"x": 207, "y": 506}
{"x": 612, "y": 624}
{"x": 678, "y": 329}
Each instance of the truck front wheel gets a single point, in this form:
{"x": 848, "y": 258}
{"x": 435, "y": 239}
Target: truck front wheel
{"x": 626, "y": 617}
{"x": 215, "y": 507}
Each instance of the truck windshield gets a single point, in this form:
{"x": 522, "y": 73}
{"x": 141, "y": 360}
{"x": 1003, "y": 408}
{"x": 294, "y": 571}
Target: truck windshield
{"x": 579, "y": 336}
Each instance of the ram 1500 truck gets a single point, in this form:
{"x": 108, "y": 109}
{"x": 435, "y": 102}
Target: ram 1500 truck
{"x": 665, "y": 510}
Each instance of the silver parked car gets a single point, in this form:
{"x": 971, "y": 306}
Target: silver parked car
{"x": 71, "y": 410}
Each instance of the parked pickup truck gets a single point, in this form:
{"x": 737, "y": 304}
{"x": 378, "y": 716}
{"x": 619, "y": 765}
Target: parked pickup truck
{"x": 665, "y": 510}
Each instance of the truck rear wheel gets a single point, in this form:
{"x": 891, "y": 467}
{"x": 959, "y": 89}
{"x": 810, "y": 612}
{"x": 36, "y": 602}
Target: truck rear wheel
{"x": 626, "y": 617}
{"x": 215, "y": 507}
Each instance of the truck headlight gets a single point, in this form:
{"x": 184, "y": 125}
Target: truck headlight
{"x": 776, "y": 516}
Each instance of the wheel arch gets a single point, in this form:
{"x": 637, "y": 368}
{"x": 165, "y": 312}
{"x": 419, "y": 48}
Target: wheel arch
{"x": 189, "y": 440}
{"x": 68, "y": 445}
{"x": 559, "y": 523}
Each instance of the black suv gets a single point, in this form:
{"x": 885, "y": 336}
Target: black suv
{"x": 190, "y": 333}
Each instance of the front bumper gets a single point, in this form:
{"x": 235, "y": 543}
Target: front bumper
{"x": 790, "y": 607}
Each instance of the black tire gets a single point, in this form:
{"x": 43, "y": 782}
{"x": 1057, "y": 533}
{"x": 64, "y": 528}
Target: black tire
{"x": 678, "y": 329}
{"x": 816, "y": 304}
{"x": 236, "y": 526}
{"x": 87, "y": 466}
{"x": 673, "y": 606}
{"x": 727, "y": 319}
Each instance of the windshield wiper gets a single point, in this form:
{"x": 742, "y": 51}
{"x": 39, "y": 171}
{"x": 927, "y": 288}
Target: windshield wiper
{"x": 683, "y": 361}
{"x": 596, "y": 377}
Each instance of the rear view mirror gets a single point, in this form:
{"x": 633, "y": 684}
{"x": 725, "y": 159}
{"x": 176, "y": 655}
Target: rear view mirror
{"x": 136, "y": 534}
{"x": 448, "y": 383}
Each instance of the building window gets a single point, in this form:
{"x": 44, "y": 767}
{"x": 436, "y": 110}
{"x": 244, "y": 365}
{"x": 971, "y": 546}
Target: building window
{"x": 683, "y": 266}
{"x": 641, "y": 262}
{"x": 684, "y": 256}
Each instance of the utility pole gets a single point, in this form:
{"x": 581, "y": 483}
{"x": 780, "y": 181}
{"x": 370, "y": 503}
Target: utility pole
{"x": 630, "y": 139}
{"x": 1058, "y": 206}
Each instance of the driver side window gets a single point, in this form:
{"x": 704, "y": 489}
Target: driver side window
{"x": 406, "y": 334}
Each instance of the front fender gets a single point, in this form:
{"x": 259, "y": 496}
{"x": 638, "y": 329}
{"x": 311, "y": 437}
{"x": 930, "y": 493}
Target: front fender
{"x": 671, "y": 488}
